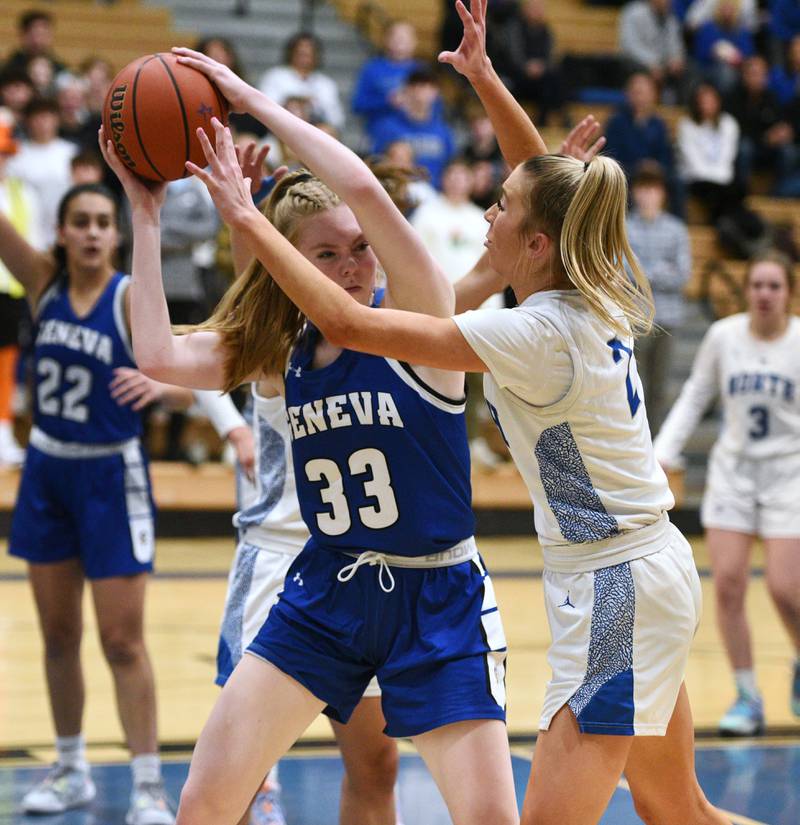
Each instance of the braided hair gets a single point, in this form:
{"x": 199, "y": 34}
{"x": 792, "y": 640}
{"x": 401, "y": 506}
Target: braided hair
{"x": 257, "y": 323}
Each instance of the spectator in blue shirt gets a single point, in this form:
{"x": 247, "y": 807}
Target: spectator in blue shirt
{"x": 722, "y": 44}
{"x": 636, "y": 133}
{"x": 784, "y": 19}
{"x": 785, "y": 80}
{"x": 382, "y": 76}
{"x": 418, "y": 121}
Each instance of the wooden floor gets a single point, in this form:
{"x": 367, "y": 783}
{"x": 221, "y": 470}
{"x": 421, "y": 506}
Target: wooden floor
{"x": 183, "y": 614}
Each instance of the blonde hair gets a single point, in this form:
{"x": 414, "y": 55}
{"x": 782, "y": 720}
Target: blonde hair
{"x": 582, "y": 206}
{"x": 257, "y": 323}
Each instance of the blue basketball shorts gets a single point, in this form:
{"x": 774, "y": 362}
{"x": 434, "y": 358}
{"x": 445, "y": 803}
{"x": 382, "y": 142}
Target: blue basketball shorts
{"x": 99, "y": 510}
{"x": 435, "y": 640}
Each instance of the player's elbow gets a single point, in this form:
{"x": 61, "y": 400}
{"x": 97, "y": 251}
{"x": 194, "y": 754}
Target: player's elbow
{"x": 342, "y": 328}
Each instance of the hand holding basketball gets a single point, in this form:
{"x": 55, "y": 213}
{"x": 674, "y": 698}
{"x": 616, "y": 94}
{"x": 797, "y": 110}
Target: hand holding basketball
{"x": 233, "y": 88}
{"x": 223, "y": 175}
{"x": 141, "y": 193}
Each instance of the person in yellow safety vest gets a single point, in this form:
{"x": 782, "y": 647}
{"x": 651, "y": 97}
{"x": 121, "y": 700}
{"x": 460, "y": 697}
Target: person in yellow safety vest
{"x": 19, "y": 203}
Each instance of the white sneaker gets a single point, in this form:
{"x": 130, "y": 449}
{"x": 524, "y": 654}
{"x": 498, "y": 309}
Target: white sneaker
{"x": 63, "y": 788}
{"x": 149, "y": 805}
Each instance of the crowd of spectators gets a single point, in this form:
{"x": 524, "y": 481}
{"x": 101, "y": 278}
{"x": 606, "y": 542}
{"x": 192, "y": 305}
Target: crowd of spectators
{"x": 733, "y": 66}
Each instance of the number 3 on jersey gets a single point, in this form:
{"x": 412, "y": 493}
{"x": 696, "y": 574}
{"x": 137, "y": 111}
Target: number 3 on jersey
{"x": 382, "y": 514}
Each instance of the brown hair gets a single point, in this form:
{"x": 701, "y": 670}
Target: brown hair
{"x": 257, "y": 323}
{"x": 772, "y": 256}
{"x": 582, "y": 206}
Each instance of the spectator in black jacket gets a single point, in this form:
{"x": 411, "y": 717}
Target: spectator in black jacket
{"x": 523, "y": 53}
{"x": 766, "y": 142}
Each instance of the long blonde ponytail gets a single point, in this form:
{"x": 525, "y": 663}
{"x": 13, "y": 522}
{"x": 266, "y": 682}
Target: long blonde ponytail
{"x": 582, "y": 206}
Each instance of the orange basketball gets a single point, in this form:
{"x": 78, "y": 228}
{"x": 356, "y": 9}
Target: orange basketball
{"x": 152, "y": 111}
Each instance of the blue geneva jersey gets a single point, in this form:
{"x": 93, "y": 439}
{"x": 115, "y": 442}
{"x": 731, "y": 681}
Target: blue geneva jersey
{"x": 381, "y": 460}
{"x": 75, "y": 361}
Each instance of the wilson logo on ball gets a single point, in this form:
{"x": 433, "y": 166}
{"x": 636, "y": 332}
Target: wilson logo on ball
{"x": 152, "y": 112}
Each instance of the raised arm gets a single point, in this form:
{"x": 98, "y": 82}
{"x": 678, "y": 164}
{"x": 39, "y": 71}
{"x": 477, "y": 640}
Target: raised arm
{"x": 32, "y": 268}
{"x": 195, "y": 360}
{"x": 517, "y": 137}
{"x": 416, "y": 338}
{"x": 415, "y": 281}
{"x": 695, "y": 398}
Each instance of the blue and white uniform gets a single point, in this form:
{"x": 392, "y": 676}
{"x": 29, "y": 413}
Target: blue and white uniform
{"x": 621, "y": 590}
{"x": 753, "y": 483}
{"x": 271, "y": 532}
{"x": 390, "y": 583}
{"x": 85, "y": 489}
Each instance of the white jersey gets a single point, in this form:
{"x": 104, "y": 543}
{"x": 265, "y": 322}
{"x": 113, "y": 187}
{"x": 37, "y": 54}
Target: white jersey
{"x": 757, "y": 382}
{"x": 600, "y": 497}
{"x": 269, "y": 517}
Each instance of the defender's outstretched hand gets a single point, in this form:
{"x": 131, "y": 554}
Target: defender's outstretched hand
{"x": 223, "y": 178}
{"x": 236, "y": 91}
{"x": 585, "y": 140}
{"x": 470, "y": 58}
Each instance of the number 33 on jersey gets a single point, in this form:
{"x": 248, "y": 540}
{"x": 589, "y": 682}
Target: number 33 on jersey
{"x": 381, "y": 460}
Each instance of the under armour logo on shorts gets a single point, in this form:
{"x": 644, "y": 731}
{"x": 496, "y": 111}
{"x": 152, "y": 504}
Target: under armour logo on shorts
{"x": 298, "y": 579}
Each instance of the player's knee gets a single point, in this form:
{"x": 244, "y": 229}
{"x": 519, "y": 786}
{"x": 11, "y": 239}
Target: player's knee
{"x": 730, "y": 591}
{"x": 197, "y": 807}
{"x": 375, "y": 771}
{"x": 120, "y": 650}
{"x": 661, "y": 810}
{"x": 62, "y": 642}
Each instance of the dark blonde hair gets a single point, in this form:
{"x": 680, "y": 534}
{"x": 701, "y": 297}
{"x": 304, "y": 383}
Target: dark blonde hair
{"x": 582, "y": 207}
{"x": 257, "y": 323}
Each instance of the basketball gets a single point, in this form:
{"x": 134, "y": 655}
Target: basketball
{"x": 152, "y": 111}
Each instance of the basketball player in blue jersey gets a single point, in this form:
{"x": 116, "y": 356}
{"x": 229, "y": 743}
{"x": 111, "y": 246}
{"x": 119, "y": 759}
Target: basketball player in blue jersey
{"x": 621, "y": 590}
{"x": 390, "y": 583}
{"x": 84, "y": 509}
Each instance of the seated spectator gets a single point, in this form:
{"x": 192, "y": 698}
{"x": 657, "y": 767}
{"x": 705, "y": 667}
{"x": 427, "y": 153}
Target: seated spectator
{"x": 722, "y": 44}
{"x": 650, "y": 39}
{"x": 708, "y": 143}
{"x": 484, "y": 156}
{"x": 16, "y": 92}
{"x": 299, "y": 76}
{"x": 523, "y": 54}
{"x": 87, "y": 167}
{"x": 698, "y": 12}
{"x": 384, "y": 75}
{"x": 635, "y": 132}
{"x": 221, "y": 49}
{"x": 418, "y": 121}
{"x": 96, "y": 74}
{"x": 661, "y": 243}
{"x": 784, "y": 19}
{"x": 766, "y": 142}
{"x": 78, "y": 124}
{"x": 43, "y": 161}
{"x": 400, "y": 153}
{"x": 43, "y": 73}
{"x": 451, "y": 226}
{"x": 36, "y": 34}
{"x": 785, "y": 80}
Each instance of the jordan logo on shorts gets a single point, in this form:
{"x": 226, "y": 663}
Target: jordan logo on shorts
{"x": 567, "y": 602}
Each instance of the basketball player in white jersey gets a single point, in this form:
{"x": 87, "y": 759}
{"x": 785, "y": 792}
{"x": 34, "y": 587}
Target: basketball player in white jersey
{"x": 622, "y": 592}
{"x": 751, "y": 362}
